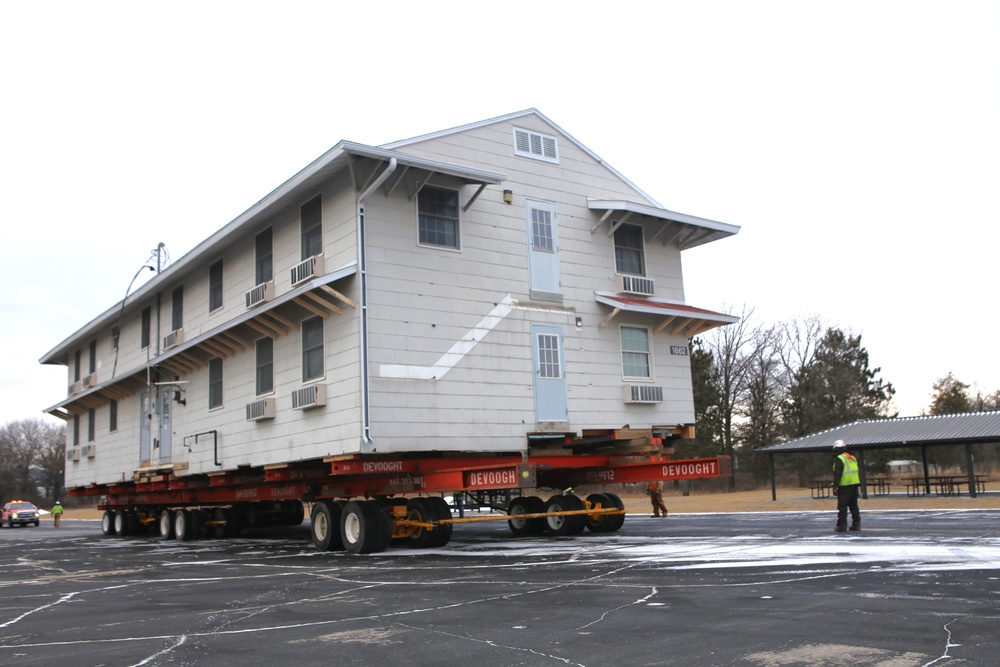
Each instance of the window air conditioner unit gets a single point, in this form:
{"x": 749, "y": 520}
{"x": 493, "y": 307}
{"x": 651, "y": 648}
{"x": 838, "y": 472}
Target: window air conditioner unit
{"x": 307, "y": 270}
{"x": 90, "y": 451}
{"x": 625, "y": 284}
{"x": 73, "y": 454}
{"x": 76, "y": 387}
{"x": 173, "y": 339}
{"x": 643, "y": 393}
{"x": 260, "y": 294}
{"x": 310, "y": 396}
{"x": 259, "y": 410}
{"x": 88, "y": 381}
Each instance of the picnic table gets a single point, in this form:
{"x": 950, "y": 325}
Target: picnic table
{"x": 944, "y": 485}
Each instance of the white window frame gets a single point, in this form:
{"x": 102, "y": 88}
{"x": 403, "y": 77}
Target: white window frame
{"x": 641, "y": 250}
{"x": 649, "y": 353}
{"x": 458, "y": 220}
{"x": 531, "y": 144}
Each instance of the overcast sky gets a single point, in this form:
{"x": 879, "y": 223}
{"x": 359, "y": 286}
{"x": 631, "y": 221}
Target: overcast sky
{"x": 857, "y": 145}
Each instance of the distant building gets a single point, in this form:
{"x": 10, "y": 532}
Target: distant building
{"x": 901, "y": 467}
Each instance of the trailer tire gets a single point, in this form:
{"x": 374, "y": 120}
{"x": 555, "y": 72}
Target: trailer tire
{"x": 295, "y": 512}
{"x": 166, "y": 525}
{"x": 325, "y": 528}
{"x": 365, "y": 527}
{"x": 598, "y": 523}
{"x": 565, "y": 525}
{"x": 107, "y": 523}
{"x": 526, "y": 505}
{"x": 617, "y": 520}
{"x": 442, "y": 533}
{"x": 418, "y": 509}
{"x": 122, "y": 524}
{"x": 184, "y": 525}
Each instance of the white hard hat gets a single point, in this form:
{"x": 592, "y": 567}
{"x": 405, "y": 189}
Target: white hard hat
{"x": 840, "y": 444}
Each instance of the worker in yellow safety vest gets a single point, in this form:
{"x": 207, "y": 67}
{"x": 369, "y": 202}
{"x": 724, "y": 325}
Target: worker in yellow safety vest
{"x": 846, "y": 484}
{"x": 57, "y": 511}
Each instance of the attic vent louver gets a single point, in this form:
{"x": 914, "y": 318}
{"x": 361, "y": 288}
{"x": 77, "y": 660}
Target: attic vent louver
{"x": 536, "y": 145}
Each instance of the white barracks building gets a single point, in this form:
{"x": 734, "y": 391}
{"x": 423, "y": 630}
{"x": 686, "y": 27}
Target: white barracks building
{"x": 487, "y": 288}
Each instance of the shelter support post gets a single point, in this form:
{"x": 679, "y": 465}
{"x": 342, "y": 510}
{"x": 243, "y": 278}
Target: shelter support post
{"x": 861, "y": 471}
{"x": 970, "y": 467}
{"x": 927, "y": 474}
{"x": 774, "y": 488}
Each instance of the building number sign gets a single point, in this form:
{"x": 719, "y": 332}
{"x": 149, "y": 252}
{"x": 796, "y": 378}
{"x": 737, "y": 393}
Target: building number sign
{"x": 679, "y": 349}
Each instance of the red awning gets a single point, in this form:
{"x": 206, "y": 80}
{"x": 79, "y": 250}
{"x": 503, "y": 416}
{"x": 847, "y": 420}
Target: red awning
{"x": 677, "y": 319}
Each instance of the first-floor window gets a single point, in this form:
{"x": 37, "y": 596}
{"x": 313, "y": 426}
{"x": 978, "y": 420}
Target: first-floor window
{"x": 214, "y": 382}
{"x": 76, "y": 430}
{"x": 312, "y": 349}
{"x": 635, "y": 352}
{"x": 265, "y": 366}
{"x": 91, "y": 424}
{"x": 113, "y": 415}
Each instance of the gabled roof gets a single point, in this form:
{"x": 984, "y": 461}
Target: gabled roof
{"x": 957, "y": 429}
{"x": 514, "y": 116}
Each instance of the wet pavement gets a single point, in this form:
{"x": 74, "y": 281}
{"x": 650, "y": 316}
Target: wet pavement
{"x": 767, "y": 589}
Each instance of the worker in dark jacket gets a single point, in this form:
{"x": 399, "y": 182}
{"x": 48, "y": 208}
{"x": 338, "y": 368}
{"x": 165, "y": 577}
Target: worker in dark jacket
{"x": 846, "y": 484}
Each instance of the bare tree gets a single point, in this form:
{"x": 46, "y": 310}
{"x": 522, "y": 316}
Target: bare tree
{"x": 22, "y": 444}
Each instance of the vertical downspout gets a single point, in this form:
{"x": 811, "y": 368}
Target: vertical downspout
{"x": 366, "y": 434}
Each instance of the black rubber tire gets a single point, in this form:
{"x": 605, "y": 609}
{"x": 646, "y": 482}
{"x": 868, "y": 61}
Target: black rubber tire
{"x": 295, "y": 512}
{"x": 565, "y": 525}
{"x": 526, "y": 505}
{"x": 599, "y": 523}
{"x": 122, "y": 524}
{"x": 442, "y": 534}
{"x": 223, "y": 523}
{"x": 325, "y": 528}
{"x": 107, "y": 523}
{"x": 419, "y": 509}
{"x": 616, "y": 520}
{"x": 184, "y": 525}
{"x": 362, "y": 527}
{"x": 165, "y": 525}
{"x": 37, "y": 524}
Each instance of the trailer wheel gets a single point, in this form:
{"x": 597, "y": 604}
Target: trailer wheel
{"x": 616, "y": 521}
{"x": 122, "y": 524}
{"x": 442, "y": 533}
{"x": 418, "y": 509}
{"x": 526, "y": 505}
{"x": 326, "y": 519}
{"x": 107, "y": 523}
{"x": 362, "y": 527}
{"x": 166, "y": 525}
{"x": 223, "y": 523}
{"x": 565, "y": 525}
{"x": 184, "y": 525}
{"x": 294, "y": 511}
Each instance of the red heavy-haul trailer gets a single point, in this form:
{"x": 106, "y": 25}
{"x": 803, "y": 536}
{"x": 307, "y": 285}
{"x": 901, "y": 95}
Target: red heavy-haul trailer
{"x": 362, "y": 503}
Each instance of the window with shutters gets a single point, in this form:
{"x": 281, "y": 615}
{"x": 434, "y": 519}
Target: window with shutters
{"x": 536, "y": 145}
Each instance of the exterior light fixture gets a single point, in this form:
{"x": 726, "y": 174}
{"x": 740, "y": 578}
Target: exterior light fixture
{"x": 508, "y": 196}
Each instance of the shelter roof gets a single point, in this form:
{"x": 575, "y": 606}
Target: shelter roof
{"x": 956, "y": 429}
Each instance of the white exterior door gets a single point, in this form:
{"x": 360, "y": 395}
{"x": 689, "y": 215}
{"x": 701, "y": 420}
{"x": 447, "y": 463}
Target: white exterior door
{"x": 165, "y": 406}
{"x": 550, "y": 375}
{"x": 145, "y": 428}
{"x": 543, "y": 248}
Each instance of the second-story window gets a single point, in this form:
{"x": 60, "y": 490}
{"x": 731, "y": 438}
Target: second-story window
{"x": 177, "y": 309}
{"x": 629, "y": 256}
{"x": 311, "y": 215}
{"x": 264, "y": 249}
{"x": 265, "y": 366}
{"x": 112, "y": 415}
{"x": 312, "y": 349}
{"x": 214, "y": 383}
{"x": 76, "y": 430}
{"x": 91, "y": 425}
{"x": 215, "y": 286}
{"x": 145, "y": 318}
{"x": 437, "y": 217}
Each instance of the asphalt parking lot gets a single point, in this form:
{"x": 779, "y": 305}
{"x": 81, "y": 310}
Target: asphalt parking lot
{"x": 766, "y": 589}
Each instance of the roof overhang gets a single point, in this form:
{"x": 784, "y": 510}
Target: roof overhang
{"x": 686, "y": 231}
{"x": 675, "y": 318}
{"x": 365, "y": 164}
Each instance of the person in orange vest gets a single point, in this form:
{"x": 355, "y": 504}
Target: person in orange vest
{"x": 655, "y": 492}
{"x": 846, "y": 484}
{"x": 57, "y": 511}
